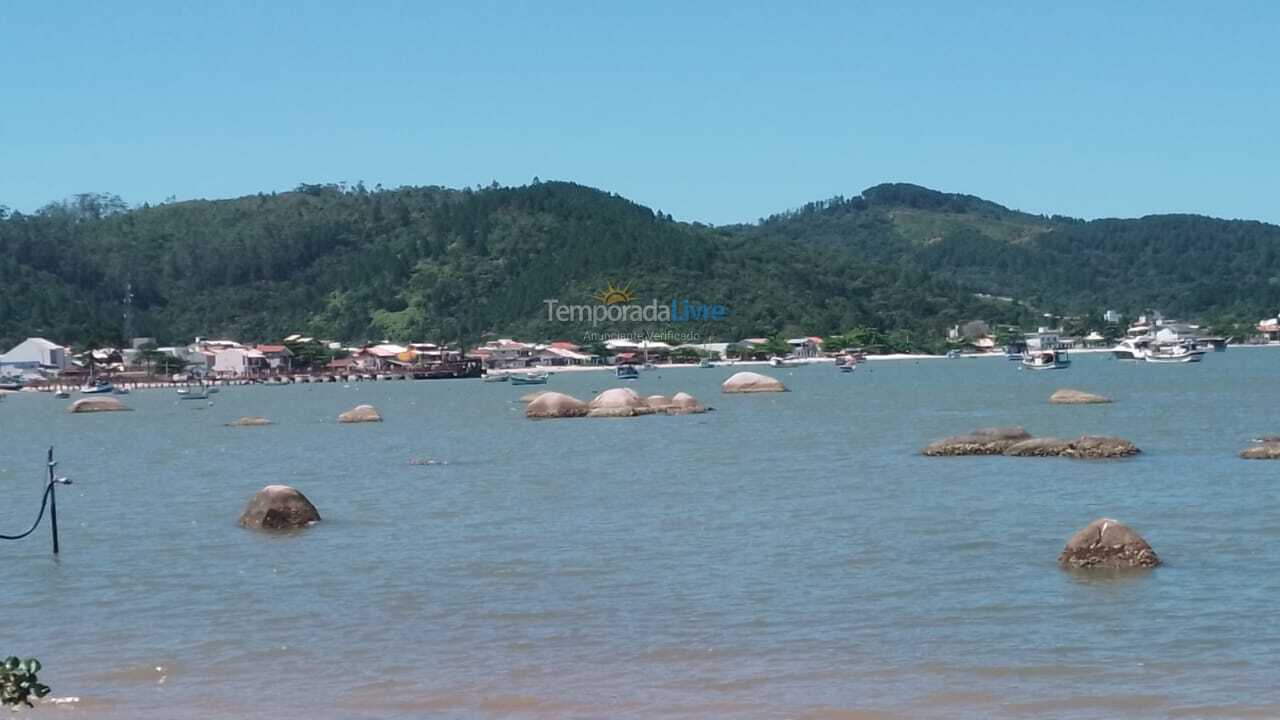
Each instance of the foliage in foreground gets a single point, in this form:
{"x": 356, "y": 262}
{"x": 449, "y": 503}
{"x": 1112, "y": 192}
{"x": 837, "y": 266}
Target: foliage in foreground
{"x": 18, "y": 682}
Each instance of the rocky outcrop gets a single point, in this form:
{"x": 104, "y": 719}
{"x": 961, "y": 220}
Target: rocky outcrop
{"x": 1077, "y": 397}
{"x": 660, "y": 403}
{"x": 279, "y": 507}
{"x": 983, "y": 441}
{"x": 1107, "y": 543}
{"x": 360, "y": 414}
{"x": 1094, "y": 447}
{"x": 684, "y": 404}
{"x": 97, "y": 404}
{"x": 1017, "y": 442}
{"x": 249, "y": 422}
{"x": 1265, "y": 451}
{"x": 619, "y": 402}
{"x": 1038, "y": 447}
{"x": 749, "y": 382}
{"x": 555, "y": 405}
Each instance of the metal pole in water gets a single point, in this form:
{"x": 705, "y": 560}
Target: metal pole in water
{"x": 53, "y": 501}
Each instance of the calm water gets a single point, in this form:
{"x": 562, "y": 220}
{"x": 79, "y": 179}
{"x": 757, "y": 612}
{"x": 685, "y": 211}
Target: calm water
{"x": 786, "y": 556}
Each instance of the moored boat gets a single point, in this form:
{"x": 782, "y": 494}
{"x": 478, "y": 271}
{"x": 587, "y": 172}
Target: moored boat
{"x": 626, "y": 372}
{"x": 495, "y": 377}
{"x": 536, "y": 377}
{"x": 778, "y": 362}
{"x": 1135, "y": 348}
{"x": 1049, "y": 359}
{"x": 1177, "y": 353}
{"x": 705, "y": 363}
{"x": 96, "y": 388}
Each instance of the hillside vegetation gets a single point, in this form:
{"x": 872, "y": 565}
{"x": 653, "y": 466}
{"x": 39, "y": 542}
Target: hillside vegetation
{"x": 441, "y": 264}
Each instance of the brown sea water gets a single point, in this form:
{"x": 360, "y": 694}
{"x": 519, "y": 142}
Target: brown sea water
{"x": 787, "y": 555}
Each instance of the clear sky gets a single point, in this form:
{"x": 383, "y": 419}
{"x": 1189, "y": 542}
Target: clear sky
{"x": 712, "y": 111}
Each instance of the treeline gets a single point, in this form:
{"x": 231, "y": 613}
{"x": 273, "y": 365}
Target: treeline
{"x": 431, "y": 263}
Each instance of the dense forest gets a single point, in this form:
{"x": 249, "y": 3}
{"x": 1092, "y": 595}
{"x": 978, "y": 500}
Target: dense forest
{"x": 438, "y": 264}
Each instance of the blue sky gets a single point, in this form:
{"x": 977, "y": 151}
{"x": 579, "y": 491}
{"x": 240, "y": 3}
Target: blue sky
{"x": 715, "y": 111}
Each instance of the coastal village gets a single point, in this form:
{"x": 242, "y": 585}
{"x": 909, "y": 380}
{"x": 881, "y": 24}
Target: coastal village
{"x": 39, "y": 363}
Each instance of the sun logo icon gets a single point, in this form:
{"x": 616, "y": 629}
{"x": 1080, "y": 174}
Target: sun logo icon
{"x": 612, "y": 295}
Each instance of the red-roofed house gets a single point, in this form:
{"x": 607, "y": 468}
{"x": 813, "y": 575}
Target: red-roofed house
{"x": 278, "y": 356}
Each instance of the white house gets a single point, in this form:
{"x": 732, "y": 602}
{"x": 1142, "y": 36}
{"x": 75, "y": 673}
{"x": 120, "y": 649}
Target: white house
{"x": 35, "y": 354}
{"x": 238, "y": 361}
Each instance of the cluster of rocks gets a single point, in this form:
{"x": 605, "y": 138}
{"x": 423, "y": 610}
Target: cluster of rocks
{"x": 1109, "y": 544}
{"x": 1017, "y": 442}
{"x": 1267, "y": 448}
{"x": 615, "y": 402}
{"x": 1077, "y": 397}
{"x": 750, "y": 382}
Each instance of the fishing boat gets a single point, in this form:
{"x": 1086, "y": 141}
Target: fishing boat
{"x": 11, "y": 382}
{"x": 627, "y": 372}
{"x": 705, "y": 363}
{"x": 1045, "y": 360}
{"x": 953, "y": 354}
{"x": 1177, "y": 353}
{"x": 494, "y": 377}
{"x": 536, "y": 377}
{"x": 778, "y": 362}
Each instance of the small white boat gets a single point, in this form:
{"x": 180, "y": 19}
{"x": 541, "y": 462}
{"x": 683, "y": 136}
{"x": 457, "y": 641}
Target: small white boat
{"x": 1045, "y": 360}
{"x": 778, "y": 362}
{"x": 494, "y": 377}
{"x": 627, "y": 372}
{"x": 953, "y": 354}
{"x": 62, "y": 394}
{"x": 536, "y": 377}
{"x": 705, "y": 363}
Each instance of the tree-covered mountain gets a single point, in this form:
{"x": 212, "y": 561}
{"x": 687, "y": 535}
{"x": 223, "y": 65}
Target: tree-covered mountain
{"x": 1225, "y": 271}
{"x": 434, "y": 263}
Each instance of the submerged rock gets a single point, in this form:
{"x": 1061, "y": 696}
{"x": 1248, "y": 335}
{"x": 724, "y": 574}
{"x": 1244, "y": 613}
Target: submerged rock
{"x": 750, "y": 382}
{"x": 249, "y": 422}
{"x": 1094, "y": 447}
{"x": 360, "y": 414}
{"x": 1077, "y": 397}
{"x": 619, "y": 402}
{"x": 555, "y": 405}
{"x": 1107, "y": 543}
{"x": 1265, "y": 451}
{"x": 97, "y": 404}
{"x": 983, "y": 441}
{"x": 279, "y": 507}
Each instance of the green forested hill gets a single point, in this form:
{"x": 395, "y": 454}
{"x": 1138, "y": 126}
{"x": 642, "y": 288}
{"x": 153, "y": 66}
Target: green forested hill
{"x": 1220, "y": 270}
{"x": 440, "y": 264}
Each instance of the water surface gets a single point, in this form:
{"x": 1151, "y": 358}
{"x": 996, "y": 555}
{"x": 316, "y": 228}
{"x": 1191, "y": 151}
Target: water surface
{"x": 788, "y": 555}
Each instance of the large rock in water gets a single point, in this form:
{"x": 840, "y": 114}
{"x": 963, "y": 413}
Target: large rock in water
{"x": 1107, "y": 543}
{"x": 555, "y": 405}
{"x": 619, "y": 402}
{"x": 1265, "y": 451}
{"x": 684, "y": 404}
{"x": 1077, "y": 397}
{"x": 249, "y": 422}
{"x": 360, "y": 414}
{"x": 97, "y": 404}
{"x": 279, "y": 507}
{"x": 750, "y": 382}
{"x": 1093, "y": 447}
{"x": 983, "y": 441}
